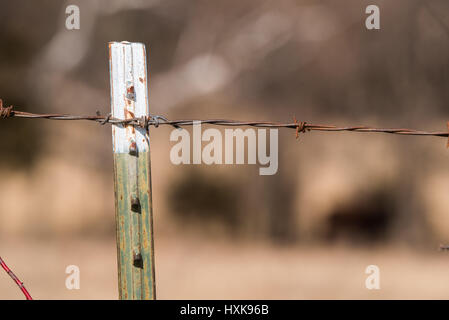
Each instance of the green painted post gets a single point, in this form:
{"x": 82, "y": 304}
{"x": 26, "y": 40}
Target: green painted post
{"x": 132, "y": 174}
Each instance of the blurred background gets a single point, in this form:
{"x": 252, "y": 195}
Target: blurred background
{"x": 338, "y": 203}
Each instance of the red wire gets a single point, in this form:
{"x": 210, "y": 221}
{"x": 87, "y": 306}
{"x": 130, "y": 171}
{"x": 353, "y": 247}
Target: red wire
{"x": 16, "y": 280}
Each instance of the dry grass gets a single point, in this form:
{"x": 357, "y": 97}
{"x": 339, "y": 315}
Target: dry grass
{"x": 196, "y": 269}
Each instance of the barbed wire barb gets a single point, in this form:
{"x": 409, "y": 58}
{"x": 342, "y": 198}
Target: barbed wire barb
{"x": 447, "y": 145}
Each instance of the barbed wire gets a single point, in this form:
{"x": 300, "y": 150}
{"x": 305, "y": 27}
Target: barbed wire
{"x": 16, "y": 280}
{"x": 155, "y": 120}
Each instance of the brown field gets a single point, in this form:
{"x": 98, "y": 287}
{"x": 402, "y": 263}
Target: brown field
{"x": 194, "y": 269}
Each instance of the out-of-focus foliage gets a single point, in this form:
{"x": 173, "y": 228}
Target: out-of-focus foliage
{"x": 237, "y": 59}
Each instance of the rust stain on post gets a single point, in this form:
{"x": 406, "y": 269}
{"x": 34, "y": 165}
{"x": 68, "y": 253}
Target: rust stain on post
{"x": 132, "y": 175}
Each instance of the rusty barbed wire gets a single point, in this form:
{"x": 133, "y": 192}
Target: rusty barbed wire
{"x": 155, "y": 120}
{"x": 16, "y": 280}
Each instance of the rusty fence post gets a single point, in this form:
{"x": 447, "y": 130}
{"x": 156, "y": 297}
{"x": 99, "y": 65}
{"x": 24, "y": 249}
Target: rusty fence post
{"x": 132, "y": 174}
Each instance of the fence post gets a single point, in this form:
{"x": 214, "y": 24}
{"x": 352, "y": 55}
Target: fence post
{"x": 132, "y": 174}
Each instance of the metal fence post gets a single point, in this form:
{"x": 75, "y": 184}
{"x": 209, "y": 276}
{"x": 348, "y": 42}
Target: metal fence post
{"x": 132, "y": 174}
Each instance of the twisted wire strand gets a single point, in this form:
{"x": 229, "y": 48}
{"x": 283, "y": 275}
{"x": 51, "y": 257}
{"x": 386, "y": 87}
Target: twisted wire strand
{"x": 156, "y": 120}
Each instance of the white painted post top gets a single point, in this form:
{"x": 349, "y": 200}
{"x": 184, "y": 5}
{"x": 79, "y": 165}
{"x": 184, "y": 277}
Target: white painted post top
{"x": 129, "y": 94}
